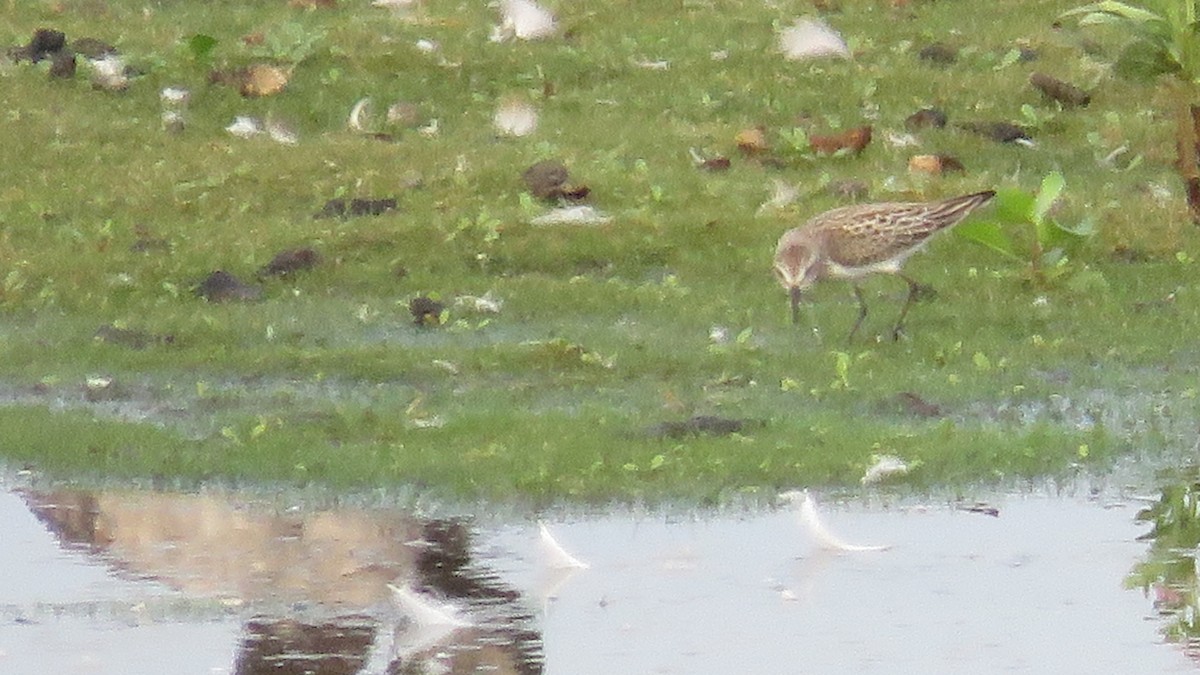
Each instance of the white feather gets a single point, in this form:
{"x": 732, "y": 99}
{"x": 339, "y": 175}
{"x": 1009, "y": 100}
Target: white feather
{"x": 556, "y": 556}
{"x": 812, "y": 522}
{"x": 782, "y": 195}
{"x": 355, "y": 121}
{"x": 425, "y": 611}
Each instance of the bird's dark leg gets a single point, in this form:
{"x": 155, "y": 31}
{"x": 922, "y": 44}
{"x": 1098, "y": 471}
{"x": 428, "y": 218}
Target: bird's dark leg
{"x": 794, "y": 298}
{"x": 862, "y": 313}
{"x": 914, "y": 289}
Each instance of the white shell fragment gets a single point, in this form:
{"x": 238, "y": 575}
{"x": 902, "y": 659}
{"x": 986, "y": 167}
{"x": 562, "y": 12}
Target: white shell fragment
{"x": 811, "y": 39}
{"x": 108, "y": 73}
{"x": 282, "y": 133}
{"x": 523, "y": 20}
{"x": 572, "y": 215}
{"x": 244, "y": 126}
{"x": 515, "y": 117}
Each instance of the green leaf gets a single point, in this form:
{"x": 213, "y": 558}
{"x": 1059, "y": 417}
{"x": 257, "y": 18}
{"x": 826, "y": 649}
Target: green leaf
{"x": 201, "y": 45}
{"x": 1052, "y": 235}
{"x": 1117, "y": 9}
{"x": 990, "y": 234}
{"x": 1052, "y": 187}
{"x": 1142, "y": 60}
{"x": 1085, "y": 228}
{"x": 1013, "y": 205}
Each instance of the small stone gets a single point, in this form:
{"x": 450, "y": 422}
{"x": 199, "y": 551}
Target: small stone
{"x": 546, "y": 178}
{"x": 934, "y": 164}
{"x": 291, "y": 260}
{"x": 1065, "y": 93}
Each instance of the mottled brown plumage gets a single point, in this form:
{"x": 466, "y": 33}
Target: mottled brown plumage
{"x": 853, "y": 242}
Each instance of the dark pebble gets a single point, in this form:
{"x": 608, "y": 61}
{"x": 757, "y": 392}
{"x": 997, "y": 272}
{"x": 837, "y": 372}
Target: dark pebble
{"x": 291, "y": 260}
{"x": 545, "y": 179}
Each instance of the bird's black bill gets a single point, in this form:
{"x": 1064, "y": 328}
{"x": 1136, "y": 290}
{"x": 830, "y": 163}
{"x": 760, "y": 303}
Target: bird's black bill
{"x": 794, "y": 294}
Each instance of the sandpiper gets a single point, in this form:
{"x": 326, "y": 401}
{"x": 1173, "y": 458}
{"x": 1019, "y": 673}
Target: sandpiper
{"x": 853, "y": 242}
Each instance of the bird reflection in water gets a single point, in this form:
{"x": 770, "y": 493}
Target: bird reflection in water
{"x": 311, "y": 587}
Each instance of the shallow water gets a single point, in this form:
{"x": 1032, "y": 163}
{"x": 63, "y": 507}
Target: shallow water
{"x": 212, "y": 583}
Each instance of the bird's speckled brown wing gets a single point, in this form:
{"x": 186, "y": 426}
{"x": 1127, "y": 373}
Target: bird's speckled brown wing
{"x": 859, "y": 236}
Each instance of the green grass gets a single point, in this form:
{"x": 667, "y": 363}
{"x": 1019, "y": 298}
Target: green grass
{"x": 605, "y": 331}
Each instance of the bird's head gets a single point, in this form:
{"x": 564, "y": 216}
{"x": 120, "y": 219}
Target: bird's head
{"x": 796, "y": 270}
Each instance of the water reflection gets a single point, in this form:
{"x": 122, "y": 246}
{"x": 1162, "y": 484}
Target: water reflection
{"x": 1168, "y": 573}
{"x": 222, "y": 584}
{"x": 313, "y": 586}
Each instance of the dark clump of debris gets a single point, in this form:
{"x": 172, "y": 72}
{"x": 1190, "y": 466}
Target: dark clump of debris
{"x": 62, "y": 65}
{"x": 221, "y": 286}
{"x": 341, "y": 208}
{"x": 1001, "y": 132}
{"x": 716, "y": 164}
{"x": 711, "y": 425}
{"x": 426, "y": 311}
{"x": 982, "y": 508}
{"x": 914, "y": 405}
{"x": 938, "y": 54}
{"x": 291, "y": 260}
{"x": 45, "y": 43}
{"x": 52, "y": 45}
